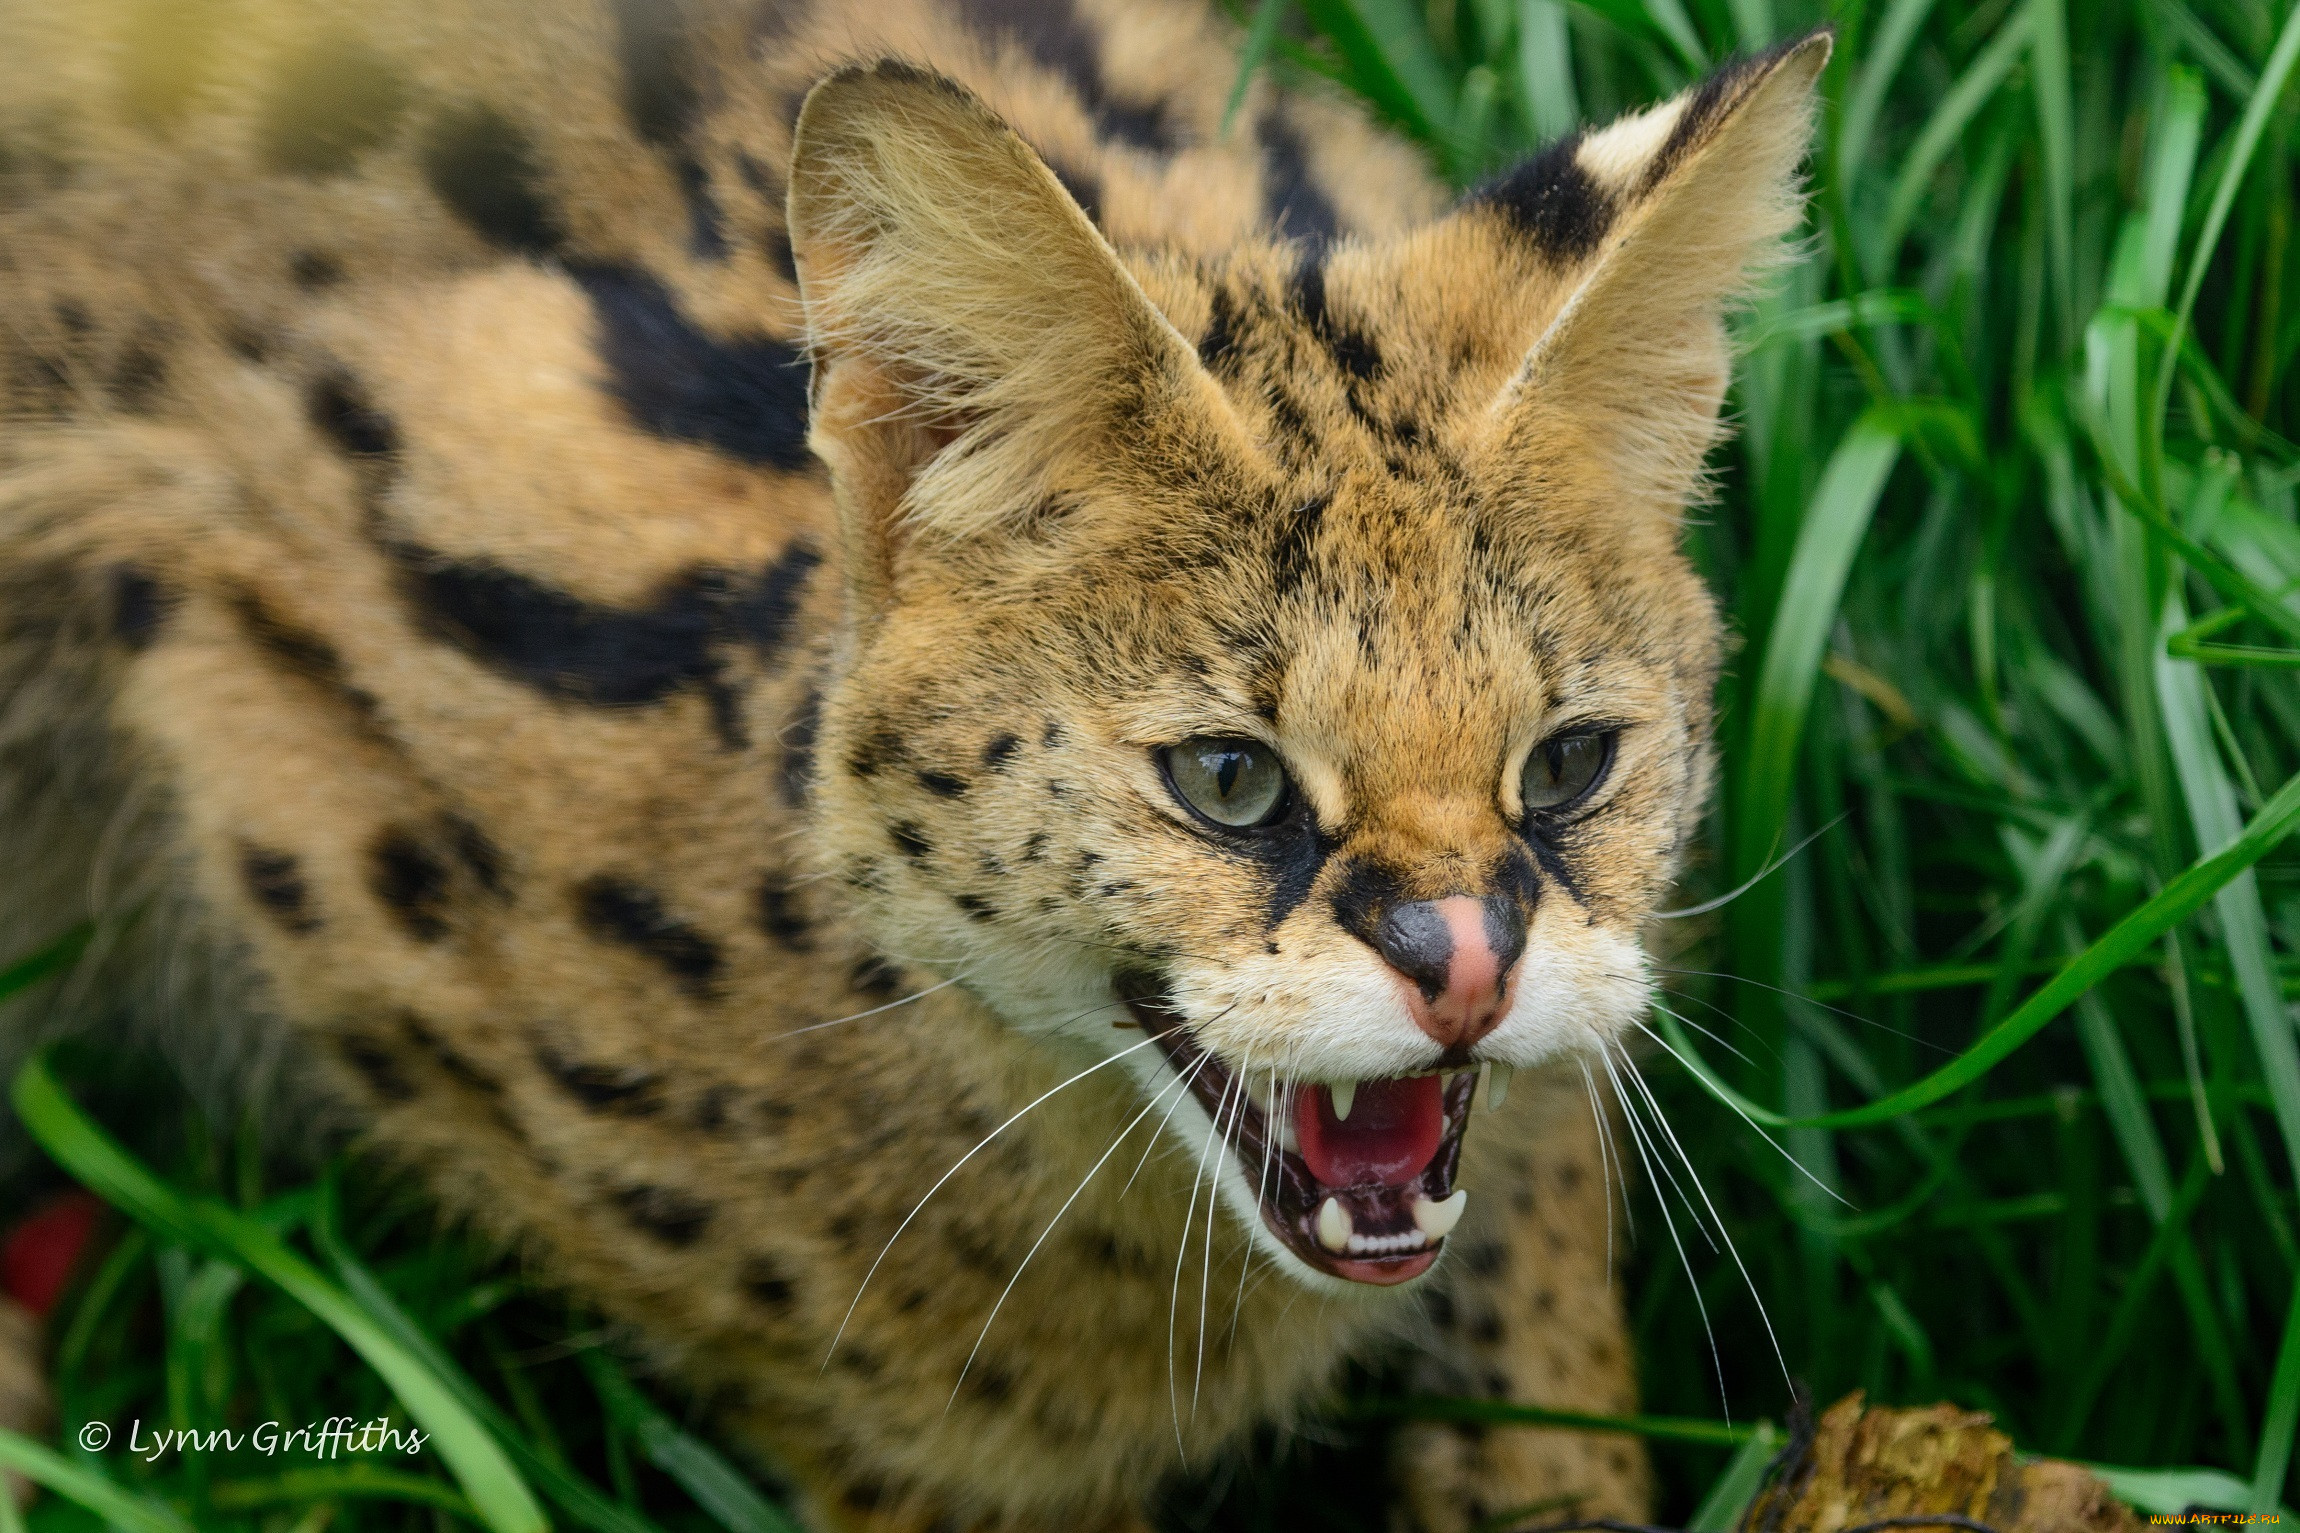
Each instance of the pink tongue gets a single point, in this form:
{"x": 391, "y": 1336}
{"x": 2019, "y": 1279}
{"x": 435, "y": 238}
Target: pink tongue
{"x": 1392, "y": 1131}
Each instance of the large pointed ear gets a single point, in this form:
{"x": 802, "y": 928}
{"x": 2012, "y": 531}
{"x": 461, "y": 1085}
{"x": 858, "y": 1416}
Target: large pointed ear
{"x": 970, "y": 328}
{"x": 1653, "y": 227}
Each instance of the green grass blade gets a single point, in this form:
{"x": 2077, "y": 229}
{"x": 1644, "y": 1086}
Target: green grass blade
{"x": 1836, "y": 522}
{"x": 1261, "y": 34}
{"x": 76, "y": 1143}
{"x": 717, "y": 1486}
{"x": 1681, "y": 1429}
{"x": 1964, "y": 100}
{"x": 57, "y": 955}
{"x": 1390, "y": 58}
{"x": 2056, "y": 134}
{"x": 2283, "y": 1423}
{"x": 2244, "y": 145}
{"x": 361, "y": 1482}
{"x": 2139, "y": 929}
{"x": 576, "y": 1497}
{"x": 2212, "y": 810}
{"x": 1545, "y": 89}
{"x": 2174, "y": 1490}
{"x": 1888, "y": 46}
{"x": 120, "y": 1508}
{"x": 1728, "y": 1499}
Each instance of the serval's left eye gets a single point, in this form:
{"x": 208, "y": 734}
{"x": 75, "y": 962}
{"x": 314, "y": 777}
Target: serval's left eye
{"x": 1562, "y": 771}
{"x": 1237, "y": 784}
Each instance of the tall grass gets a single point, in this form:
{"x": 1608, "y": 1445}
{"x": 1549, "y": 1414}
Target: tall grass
{"x": 2009, "y": 537}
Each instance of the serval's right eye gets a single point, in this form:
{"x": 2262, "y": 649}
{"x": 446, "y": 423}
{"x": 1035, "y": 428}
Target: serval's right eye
{"x": 1236, "y": 784}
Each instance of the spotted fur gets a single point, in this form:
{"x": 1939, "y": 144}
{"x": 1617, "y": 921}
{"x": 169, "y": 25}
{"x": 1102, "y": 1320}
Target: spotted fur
{"x": 433, "y": 619}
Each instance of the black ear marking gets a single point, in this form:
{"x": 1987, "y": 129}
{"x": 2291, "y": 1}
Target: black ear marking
{"x": 1552, "y": 202}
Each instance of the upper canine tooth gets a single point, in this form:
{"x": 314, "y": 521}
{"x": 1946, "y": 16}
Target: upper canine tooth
{"x": 1496, "y": 1084}
{"x": 1345, "y": 1095}
{"x": 1287, "y": 1138}
{"x": 1434, "y": 1219}
{"x": 1334, "y": 1228}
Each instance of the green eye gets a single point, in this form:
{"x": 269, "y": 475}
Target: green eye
{"x": 1563, "y": 770}
{"x": 1235, "y": 783}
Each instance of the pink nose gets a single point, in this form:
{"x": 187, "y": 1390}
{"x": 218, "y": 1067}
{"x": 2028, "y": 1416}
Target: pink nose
{"x": 1458, "y": 956}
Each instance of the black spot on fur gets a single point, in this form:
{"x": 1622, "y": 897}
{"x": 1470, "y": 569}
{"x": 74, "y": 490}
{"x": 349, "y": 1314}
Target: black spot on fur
{"x": 313, "y": 270}
{"x": 798, "y": 763}
{"x": 628, "y": 1090}
{"x": 942, "y": 784}
{"x": 1218, "y": 347}
{"x": 140, "y": 607}
{"x": 139, "y": 371}
{"x": 1353, "y": 349}
{"x": 1292, "y": 550}
{"x": 476, "y": 850}
{"x": 610, "y": 657}
{"x": 878, "y": 749}
{"x": 746, "y": 397}
{"x": 1051, "y": 736}
{"x": 411, "y": 882}
{"x": 379, "y": 1066}
{"x": 1292, "y": 200}
{"x": 913, "y": 841}
{"x": 1552, "y": 201}
{"x": 340, "y": 408}
{"x": 623, "y": 912}
{"x": 458, "y": 1066}
{"x": 781, "y": 256}
{"x": 875, "y": 977}
{"x": 485, "y": 169}
{"x": 780, "y": 916}
{"x": 275, "y": 881}
{"x": 708, "y": 1115}
{"x": 1059, "y": 40}
{"x": 764, "y": 1281}
{"x": 996, "y": 754}
{"x": 332, "y": 102}
{"x": 975, "y": 906}
{"x": 675, "y": 1218}
{"x": 303, "y": 653}
{"x": 706, "y": 224}
{"x": 658, "y": 88}
{"x": 1034, "y": 846}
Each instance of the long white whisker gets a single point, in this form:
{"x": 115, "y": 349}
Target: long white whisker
{"x": 960, "y": 1162}
{"x": 1605, "y": 1167}
{"x": 816, "y": 1027}
{"x": 1637, "y": 1138}
{"x": 1767, "y": 871}
{"x": 1713, "y": 1037}
{"x": 1181, "y": 1255}
{"x": 1213, "y": 1208}
{"x": 1752, "y": 1122}
{"x": 1270, "y": 1132}
{"x": 1179, "y": 1083}
{"x": 1630, "y": 1115}
{"x": 1653, "y": 1105}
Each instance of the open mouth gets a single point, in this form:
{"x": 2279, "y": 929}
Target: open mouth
{"x": 1356, "y": 1180}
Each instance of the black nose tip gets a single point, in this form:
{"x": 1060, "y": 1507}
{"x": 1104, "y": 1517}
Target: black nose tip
{"x": 1418, "y": 944}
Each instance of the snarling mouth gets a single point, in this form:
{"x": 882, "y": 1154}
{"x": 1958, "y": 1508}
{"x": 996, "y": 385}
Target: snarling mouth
{"x": 1357, "y": 1183}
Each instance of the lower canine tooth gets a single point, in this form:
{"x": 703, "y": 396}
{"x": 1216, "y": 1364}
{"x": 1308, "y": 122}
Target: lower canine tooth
{"x": 1496, "y": 1085}
{"x": 1334, "y": 1225}
{"x": 1434, "y": 1219}
{"x": 1345, "y": 1095}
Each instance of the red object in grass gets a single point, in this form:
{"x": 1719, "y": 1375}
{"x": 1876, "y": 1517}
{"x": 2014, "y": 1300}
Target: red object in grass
{"x": 37, "y": 1256}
